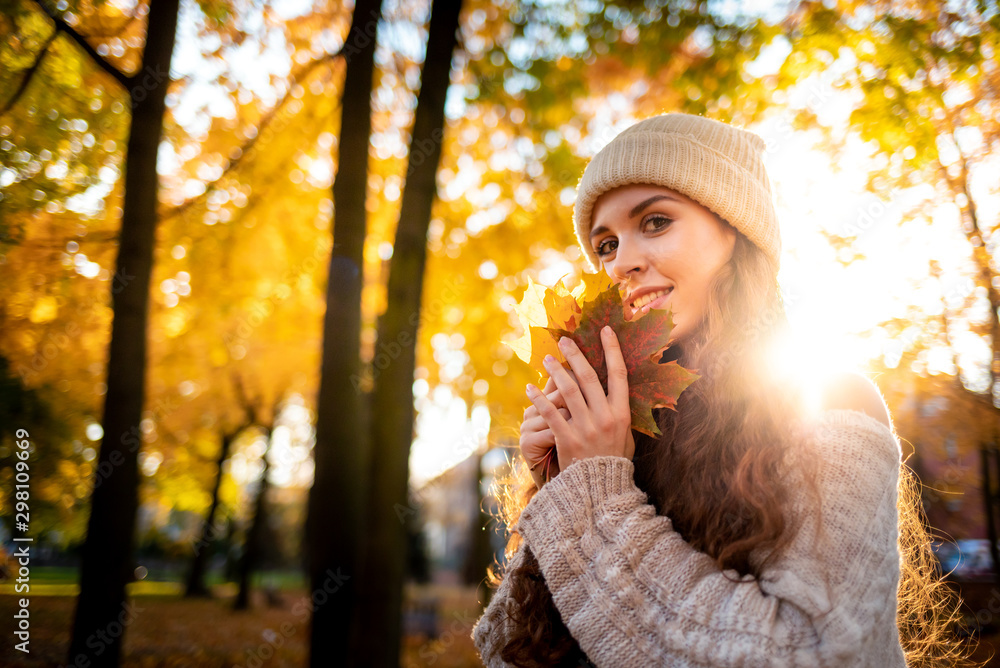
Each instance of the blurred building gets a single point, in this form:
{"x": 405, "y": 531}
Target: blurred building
{"x": 949, "y": 439}
{"x": 943, "y": 428}
{"x": 451, "y": 507}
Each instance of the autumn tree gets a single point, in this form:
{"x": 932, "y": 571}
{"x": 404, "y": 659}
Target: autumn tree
{"x": 195, "y": 585}
{"x": 253, "y": 542}
{"x": 926, "y": 96}
{"x": 335, "y": 511}
{"x": 106, "y": 558}
{"x": 384, "y": 548}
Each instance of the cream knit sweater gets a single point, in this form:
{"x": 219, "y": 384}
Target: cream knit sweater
{"x": 634, "y": 594}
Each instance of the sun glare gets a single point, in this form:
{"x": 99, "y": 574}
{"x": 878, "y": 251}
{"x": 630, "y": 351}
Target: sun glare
{"x": 806, "y": 362}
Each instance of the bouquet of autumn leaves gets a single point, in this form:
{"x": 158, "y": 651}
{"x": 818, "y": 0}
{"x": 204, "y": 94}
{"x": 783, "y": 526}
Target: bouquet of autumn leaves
{"x": 548, "y": 314}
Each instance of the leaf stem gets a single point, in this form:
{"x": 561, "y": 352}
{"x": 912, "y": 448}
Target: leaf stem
{"x": 547, "y": 458}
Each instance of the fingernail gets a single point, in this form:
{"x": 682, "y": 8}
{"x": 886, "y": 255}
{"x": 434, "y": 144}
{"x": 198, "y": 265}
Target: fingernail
{"x": 530, "y": 389}
{"x": 564, "y": 343}
{"x": 549, "y": 359}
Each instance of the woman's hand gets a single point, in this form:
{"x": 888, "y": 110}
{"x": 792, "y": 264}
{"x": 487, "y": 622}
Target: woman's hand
{"x": 600, "y": 424}
{"x": 537, "y": 440}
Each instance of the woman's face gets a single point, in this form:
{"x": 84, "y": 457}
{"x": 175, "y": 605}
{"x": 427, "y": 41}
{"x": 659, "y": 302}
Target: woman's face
{"x": 655, "y": 239}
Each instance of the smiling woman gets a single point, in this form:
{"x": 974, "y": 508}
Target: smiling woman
{"x": 664, "y": 246}
{"x": 754, "y": 530}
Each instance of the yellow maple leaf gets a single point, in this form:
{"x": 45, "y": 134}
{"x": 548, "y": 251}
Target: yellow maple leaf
{"x": 557, "y": 307}
{"x": 591, "y": 286}
{"x": 562, "y": 307}
{"x": 542, "y": 307}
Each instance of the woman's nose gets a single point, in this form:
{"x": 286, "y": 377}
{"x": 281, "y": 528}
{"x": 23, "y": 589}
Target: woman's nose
{"x": 628, "y": 261}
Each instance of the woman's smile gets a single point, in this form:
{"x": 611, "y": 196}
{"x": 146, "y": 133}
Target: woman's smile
{"x": 653, "y": 300}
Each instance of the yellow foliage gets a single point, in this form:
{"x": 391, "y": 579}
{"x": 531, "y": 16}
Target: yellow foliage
{"x": 218, "y": 355}
{"x": 174, "y": 322}
{"x": 45, "y": 310}
{"x": 592, "y": 285}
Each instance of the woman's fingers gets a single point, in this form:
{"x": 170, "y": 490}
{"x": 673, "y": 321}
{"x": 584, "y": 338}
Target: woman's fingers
{"x": 537, "y": 441}
{"x": 601, "y": 417}
{"x": 586, "y": 380}
{"x": 617, "y": 373}
{"x": 553, "y": 394}
{"x": 552, "y": 414}
{"x": 536, "y": 444}
{"x": 552, "y": 391}
{"x": 537, "y": 423}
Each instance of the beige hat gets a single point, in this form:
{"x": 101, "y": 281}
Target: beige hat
{"x": 715, "y": 164}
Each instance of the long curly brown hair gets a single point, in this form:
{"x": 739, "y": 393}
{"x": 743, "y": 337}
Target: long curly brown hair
{"x": 717, "y": 472}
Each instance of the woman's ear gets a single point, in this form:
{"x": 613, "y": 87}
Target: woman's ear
{"x": 729, "y": 233}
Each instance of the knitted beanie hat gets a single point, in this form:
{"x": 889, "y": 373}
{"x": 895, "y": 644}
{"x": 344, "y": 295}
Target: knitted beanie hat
{"x": 715, "y": 164}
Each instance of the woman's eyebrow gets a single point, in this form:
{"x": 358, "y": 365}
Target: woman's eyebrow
{"x": 636, "y": 210}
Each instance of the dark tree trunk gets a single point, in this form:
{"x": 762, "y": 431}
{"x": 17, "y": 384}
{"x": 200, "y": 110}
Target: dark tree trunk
{"x": 989, "y": 458}
{"x": 252, "y": 545}
{"x": 232, "y": 568}
{"x": 384, "y": 562}
{"x": 480, "y": 552}
{"x": 102, "y": 614}
{"x": 196, "y": 576}
{"x": 334, "y": 514}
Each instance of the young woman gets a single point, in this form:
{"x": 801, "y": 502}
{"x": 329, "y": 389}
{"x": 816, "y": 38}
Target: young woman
{"x": 762, "y": 528}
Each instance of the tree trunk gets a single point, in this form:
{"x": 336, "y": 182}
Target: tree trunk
{"x": 990, "y": 462}
{"x": 333, "y": 520}
{"x": 384, "y": 563}
{"x": 230, "y": 572}
{"x": 480, "y": 552}
{"x": 196, "y": 576}
{"x": 102, "y": 614}
{"x": 252, "y": 544}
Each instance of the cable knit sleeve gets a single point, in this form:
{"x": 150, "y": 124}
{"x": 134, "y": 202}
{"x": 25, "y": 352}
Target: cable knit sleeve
{"x": 634, "y": 593}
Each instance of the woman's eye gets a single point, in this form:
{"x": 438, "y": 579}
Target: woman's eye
{"x": 661, "y": 222}
{"x": 657, "y": 223}
{"x": 601, "y": 249}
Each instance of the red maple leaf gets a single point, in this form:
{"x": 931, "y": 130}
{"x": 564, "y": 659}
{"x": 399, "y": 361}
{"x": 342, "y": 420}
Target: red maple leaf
{"x": 642, "y": 340}
{"x": 547, "y": 314}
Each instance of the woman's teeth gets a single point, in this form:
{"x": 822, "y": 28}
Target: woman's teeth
{"x": 645, "y": 299}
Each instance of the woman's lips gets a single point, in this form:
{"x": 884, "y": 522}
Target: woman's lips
{"x": 656, "y": 303}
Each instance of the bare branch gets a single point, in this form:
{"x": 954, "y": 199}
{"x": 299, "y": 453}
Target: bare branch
{"x": 28, "y": 73}
{"x": 61, "y": 26}
{"x": 249, "y": 405}
{"x": 278, "y": 398}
